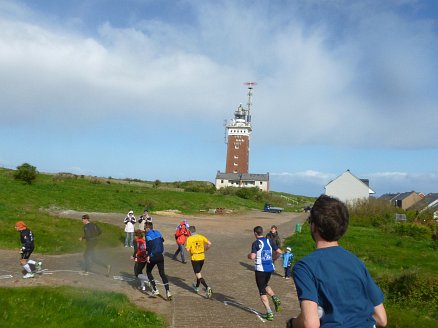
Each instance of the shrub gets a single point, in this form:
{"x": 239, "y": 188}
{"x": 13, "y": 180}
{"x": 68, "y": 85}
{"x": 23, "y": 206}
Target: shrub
{"x": 374, "y": 212}
{"x": 197, "y": 186}
{"x": 250, "y": 193}
{"x": 412, "y": 229}
{"x": 149, "y": 204}
{"x": 228, "y": 191}
{"x": 411, "y": 289}
{"x": 26, "y": 173}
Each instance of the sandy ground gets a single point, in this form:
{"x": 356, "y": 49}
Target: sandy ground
{"x": 235, "y": 301}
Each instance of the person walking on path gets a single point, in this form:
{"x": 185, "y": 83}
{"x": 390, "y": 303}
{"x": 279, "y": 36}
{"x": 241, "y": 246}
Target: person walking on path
{"x": 334, "y": 287}
{"x": 288, "y": 258}
{"x": 197, "y": 245}
{"x": 155, "y": 247}
{"x": 181, "y": 234}
{"x": 129, "y": 229}
{"x": 273, "y": 236}
{"x": 139, "y": 256}
{"x": 27, "y": 247}
{"x": 262, "y": 252}
{"x": 91, "y": 234}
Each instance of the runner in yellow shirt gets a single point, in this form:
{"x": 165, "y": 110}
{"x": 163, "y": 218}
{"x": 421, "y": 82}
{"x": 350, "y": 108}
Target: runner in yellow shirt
{"x": 197, "y": 245}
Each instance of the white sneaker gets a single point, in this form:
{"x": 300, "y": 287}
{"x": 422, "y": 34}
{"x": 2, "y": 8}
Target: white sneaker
{"x": 39, "y": 266}
{"x": 208, "y": 293}
{"x": 168, "y": 295}
{"x": 156, "y": 292}
{"x": 28, "y": 275}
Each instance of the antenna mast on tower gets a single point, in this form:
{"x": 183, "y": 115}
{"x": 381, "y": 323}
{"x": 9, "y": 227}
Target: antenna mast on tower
{"x": 249, "y": 104}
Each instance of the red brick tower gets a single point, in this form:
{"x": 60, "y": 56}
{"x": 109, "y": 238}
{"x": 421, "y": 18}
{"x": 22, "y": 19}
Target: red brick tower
{"x": 238, "y": 133}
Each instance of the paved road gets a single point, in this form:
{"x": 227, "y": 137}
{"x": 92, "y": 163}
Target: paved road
{"x": 226, "y": 269}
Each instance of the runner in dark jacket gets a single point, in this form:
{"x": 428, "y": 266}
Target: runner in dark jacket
{"x": 27, "y": 247}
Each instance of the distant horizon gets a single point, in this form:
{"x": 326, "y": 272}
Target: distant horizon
{"x": 200, "y": 180}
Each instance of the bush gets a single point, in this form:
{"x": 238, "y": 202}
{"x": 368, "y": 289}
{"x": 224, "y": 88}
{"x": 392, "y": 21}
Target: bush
{"x": 374, "y": 212}
{"x": 26, "y": 173}
{"x": 412, "y": 229}
{"x": 411, "y": 289}
{"x": 250, "y": 193}
{"x": 197, "y": 186}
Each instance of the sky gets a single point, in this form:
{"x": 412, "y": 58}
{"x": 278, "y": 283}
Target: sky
{"x": 141, "y": 89}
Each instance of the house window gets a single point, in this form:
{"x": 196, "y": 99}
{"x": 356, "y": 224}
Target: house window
{"x": 261, "y": 182}
{"x": 222, "y": 181}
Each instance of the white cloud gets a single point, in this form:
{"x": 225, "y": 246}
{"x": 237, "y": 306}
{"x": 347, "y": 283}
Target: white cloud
{"x": 363, "y": 82}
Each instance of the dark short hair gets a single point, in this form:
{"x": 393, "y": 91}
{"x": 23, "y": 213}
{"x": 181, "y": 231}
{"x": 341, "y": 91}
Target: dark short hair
{"x": 192, "y": 228}
{"x": 149, "y": 225}
{"x": 85, "y": 217}
{"x": 330, "y": 216}
{"x": 258, "y": 230}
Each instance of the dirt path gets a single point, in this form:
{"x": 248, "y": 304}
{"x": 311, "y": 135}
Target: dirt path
{"x": 226, "y": 270}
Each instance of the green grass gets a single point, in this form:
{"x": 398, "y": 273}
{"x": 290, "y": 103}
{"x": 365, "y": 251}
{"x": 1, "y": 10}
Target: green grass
{"x": 411, "y": 301}
{"x": 71, "y": 307}
{"x": 54, "y": 235}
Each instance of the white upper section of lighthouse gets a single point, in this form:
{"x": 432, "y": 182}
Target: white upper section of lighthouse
{"x": 241, "y": 123}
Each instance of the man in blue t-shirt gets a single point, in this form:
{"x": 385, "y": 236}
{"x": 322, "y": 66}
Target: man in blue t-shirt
{"x": 262, "y": 252}
{"x": 334, "y": 287}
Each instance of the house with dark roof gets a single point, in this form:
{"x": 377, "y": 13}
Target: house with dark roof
{"x": 348, "y": 188}
{"x": 403, "y": 200}
{"x": 428, "y": 202}
{"x": 242, "y": 180}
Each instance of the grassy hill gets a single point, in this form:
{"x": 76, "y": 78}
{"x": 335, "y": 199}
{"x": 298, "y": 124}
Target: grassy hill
{"x": 30, "y": 203}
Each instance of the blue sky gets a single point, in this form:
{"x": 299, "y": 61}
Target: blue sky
{"x": 141, "y": 88}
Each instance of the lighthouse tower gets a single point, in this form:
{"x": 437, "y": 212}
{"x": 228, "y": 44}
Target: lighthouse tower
{"x": 238, "y": 132}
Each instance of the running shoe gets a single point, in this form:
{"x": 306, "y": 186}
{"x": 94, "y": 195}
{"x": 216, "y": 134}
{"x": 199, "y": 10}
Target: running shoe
{"x": 268, "y": 316}
{"x": 28, "y": 275}
{"x": 277, "y": 304}
{"x": 196, "y": 289}
{"x": 168, "y": 295}
{"x": 39, "y": 266}
{"x": 209, "y": 292}
{"x": 155, "y": 292}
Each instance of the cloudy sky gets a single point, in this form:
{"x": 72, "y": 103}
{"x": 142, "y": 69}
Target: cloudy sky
{"x": 141, "y": 89}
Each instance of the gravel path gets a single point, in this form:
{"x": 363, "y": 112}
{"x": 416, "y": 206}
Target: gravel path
{"x": 227, "y": 270}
